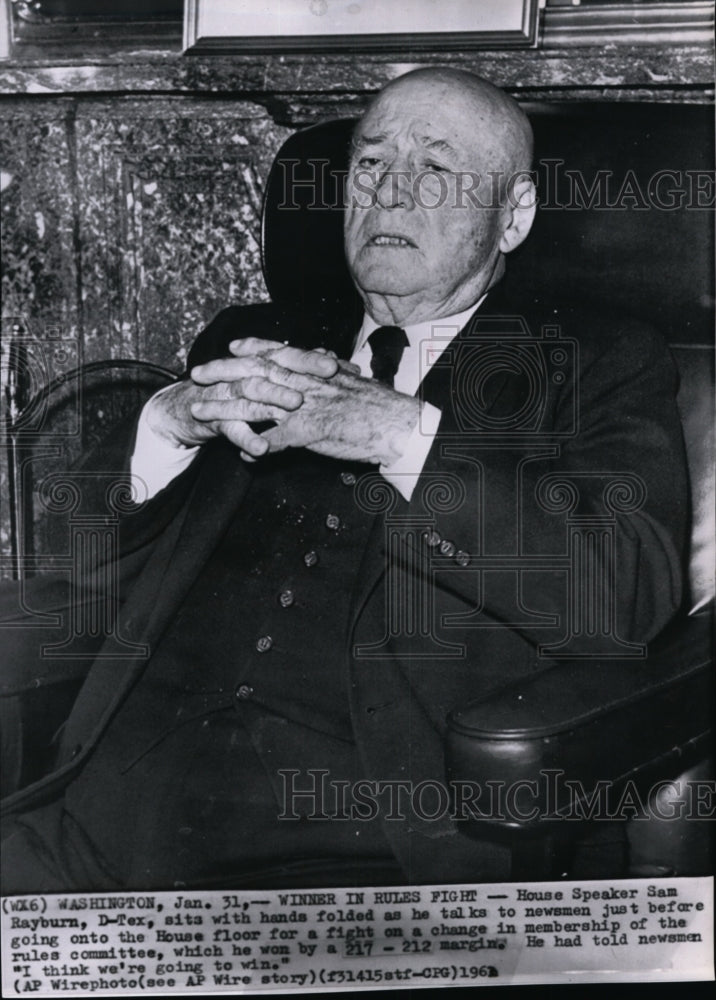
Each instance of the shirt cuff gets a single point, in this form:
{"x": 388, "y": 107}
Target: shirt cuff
{"x": 404, "y": 473}
{"x": 156, "y": 461}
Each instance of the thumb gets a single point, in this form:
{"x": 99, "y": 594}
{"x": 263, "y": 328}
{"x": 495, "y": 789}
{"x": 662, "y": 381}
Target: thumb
{"x": 277, "y": 438}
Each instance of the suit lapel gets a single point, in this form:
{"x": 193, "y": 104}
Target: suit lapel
{"x": 179, "y": 555}
{"x": 181, "y": 547}
{"x": 437, "y": 389}
{"x": 391, "y": 727}
{"x": 184, "y": 550}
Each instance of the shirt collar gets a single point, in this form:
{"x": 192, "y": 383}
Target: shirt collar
{"x": 438, "y": 331}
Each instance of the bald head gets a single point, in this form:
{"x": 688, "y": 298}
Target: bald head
{"x": 439, "y": 193}
{"x": 491, "y": 112}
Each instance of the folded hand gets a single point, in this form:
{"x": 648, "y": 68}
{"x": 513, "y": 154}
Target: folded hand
{"x": 260, "y": 381}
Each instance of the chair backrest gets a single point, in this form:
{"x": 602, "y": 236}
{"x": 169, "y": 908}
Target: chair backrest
{"x": 302, "y": 219}
{"x": 696, "y": 406}
{"x": 80, "y": 423}
{"x": 625, "y": 217}
{"x": 625, "y": 213}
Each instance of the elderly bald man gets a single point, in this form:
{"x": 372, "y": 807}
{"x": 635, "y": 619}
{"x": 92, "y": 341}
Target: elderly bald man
{"x": 307, "y": 571}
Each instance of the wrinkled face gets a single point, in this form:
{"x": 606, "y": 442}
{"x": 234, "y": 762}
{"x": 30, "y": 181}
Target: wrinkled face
{"x": 422, "y": 158}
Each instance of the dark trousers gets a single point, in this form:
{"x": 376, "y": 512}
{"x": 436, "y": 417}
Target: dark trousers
{"x": 200, "y": 808}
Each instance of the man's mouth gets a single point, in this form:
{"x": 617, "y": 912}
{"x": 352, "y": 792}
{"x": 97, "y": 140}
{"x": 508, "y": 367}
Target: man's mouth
{"x": 389, "y": 240}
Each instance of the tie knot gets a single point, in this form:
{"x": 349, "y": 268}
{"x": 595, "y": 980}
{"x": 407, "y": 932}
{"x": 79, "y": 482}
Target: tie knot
{"x": 387, "y": 344}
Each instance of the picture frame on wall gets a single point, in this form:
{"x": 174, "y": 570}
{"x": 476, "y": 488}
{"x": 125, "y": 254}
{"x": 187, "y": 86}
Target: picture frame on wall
{"x": 360, "y": 25}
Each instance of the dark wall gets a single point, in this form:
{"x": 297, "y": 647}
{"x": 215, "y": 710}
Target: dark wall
{"x": 625, "y": 214}
{"x": 626, "y": 195}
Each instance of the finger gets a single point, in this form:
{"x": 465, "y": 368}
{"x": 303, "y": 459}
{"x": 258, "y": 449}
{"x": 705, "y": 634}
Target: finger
{"x": 317, "y": 362}
{"x": 290, "y": 360}
{"x": 263, "y": 390}
{"x": 211, "y": 410}
{"x": 231, "y": 370}
{"x": 250, "y": 444}
{"x": 321, "y": 363}
{"x": 280, "y": 437}
{"x": 299, "y": 382}
{"x": 223, "y": 370}
{"x": 259, "y": 387}
{"x": 349, "y": 367}
{"x": 308, "y": 385}
{"x": 295, "y": 358}
{"x": 274, "y": 442}
{"x": 249, "y": 346}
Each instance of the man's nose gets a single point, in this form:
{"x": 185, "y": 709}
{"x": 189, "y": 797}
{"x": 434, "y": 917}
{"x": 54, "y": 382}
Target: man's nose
{"x": 395, "y": 189}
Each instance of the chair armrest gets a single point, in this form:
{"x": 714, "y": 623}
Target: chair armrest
{"x": 586, "y": 722}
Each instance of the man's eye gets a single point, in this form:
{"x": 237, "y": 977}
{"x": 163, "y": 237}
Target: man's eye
{"x": 368, "y": 161}
{"x": 437, "y": 168}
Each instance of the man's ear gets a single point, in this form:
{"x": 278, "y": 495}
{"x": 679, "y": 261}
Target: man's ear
{"x": 521, "y": 208}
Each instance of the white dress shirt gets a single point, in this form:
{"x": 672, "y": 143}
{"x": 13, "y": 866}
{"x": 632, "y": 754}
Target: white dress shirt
{"x": 156, "y": 461}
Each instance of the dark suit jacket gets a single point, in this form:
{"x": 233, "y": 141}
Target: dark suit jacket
{"x": 478, "y": 495}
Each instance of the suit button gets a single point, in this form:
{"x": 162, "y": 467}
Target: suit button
{"x": 243, "y": 692}
{"x": 264, "y": 643}
{"x": 286, "y": 598}
{"x": 462, "y": 558}
{"x": 432, "y": 538}
{"x": 348, "y": 479}
{"x": 447, "y": 548}
{"x": 333, "y": 522}
{"x": 311, "y": 558}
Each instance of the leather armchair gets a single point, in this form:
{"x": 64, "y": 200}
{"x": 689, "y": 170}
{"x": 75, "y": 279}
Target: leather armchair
{"x": 632, "y": 725}
{"x": 572, "y": 738}
{"x": 68, "y": 422}
{"x": 629, "y": 725}
{"x": 63, "y": 436}
{"x": 553, "y": 739}
{"x": 591, "y": 721}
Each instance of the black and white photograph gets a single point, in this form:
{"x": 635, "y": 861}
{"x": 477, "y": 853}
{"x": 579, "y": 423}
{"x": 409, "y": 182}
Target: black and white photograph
{"x": 357, "y": 495}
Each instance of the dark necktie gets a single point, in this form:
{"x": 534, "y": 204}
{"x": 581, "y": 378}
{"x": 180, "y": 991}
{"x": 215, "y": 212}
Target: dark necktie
{"x": 387, "y": 344}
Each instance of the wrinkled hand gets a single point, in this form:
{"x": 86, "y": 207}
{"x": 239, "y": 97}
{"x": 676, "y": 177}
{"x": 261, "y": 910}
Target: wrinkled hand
{"x": 261, "y": 381}
{"x": 348, "y": 417}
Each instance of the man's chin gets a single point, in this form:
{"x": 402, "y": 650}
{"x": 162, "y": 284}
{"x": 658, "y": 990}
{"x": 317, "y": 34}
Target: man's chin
{"x": 380, "y": 279}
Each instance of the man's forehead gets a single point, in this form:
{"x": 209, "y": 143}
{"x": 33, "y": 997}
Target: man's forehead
{"x": 425, "y": 133}
{"x": 409, "y": 102}
{"x": 462, "y": 119}
{"x": 438, "y": 113}
{"x": 451, "y": 137}
{"x": 419, "y": 134}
